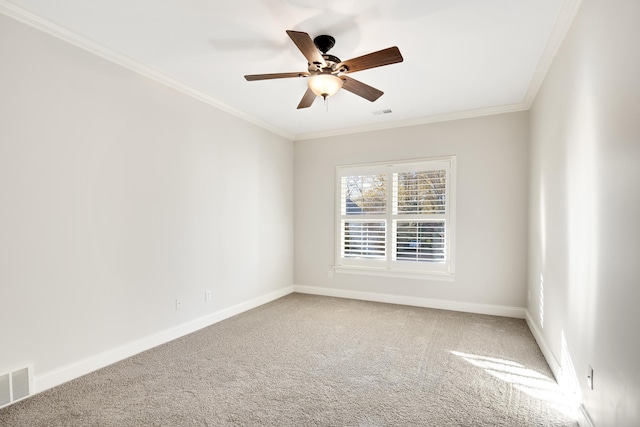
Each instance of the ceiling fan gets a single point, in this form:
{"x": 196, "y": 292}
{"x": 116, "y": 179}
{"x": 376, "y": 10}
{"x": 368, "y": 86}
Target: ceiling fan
{"x": 327, "y": 73}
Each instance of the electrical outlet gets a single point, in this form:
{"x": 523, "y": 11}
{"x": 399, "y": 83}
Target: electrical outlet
{"x": 178, "y": 303}
{"x": 207, "y": 296}
{"x": 330, "y": 274}
{"x": 590, "y": 377}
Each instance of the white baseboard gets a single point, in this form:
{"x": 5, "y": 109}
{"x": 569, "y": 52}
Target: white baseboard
{"x": 69, "y": 372}
{"x": 546, "y": 352}
{"x": 584, "y": 420}
{"x": 494, "y": 310}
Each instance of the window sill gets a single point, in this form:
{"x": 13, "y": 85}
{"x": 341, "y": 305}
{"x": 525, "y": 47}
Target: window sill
{"x": 404, "y": 274}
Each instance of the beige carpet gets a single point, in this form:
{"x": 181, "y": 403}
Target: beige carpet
{"x": 316, "y": 361}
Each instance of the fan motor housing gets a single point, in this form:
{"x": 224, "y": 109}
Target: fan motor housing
{"x": 324, "y": 43}
{"x": 331, "y": 58}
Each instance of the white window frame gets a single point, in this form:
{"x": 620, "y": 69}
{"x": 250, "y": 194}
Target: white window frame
{"x": 444, "y": 271}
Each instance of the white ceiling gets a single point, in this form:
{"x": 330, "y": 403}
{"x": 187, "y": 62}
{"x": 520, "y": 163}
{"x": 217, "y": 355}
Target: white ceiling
{"x": 461, "y": 57}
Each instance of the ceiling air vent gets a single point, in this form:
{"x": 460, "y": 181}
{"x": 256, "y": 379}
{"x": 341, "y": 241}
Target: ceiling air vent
{"x": 15, "y": 385}
{"x": 386, "y": 111}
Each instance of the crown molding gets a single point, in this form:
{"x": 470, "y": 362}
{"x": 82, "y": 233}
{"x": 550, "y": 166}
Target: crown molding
{"x": 563, "y": 23}
{"x": 434, "y": 118}
{"x": 89, "y": 45}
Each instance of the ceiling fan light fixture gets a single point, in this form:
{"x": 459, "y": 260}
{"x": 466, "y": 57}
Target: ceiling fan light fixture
{"x": 325, "y": 72}
{"x": 325, "y": 85}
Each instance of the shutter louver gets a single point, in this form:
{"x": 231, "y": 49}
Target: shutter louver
{"x": 364, "y": 194}
{"x": 364, "y": 239}
{"x": 420, "y": 240}
{"x": 420, "y": 192}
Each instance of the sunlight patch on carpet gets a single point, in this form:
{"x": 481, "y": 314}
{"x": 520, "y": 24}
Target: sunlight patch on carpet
{"x": 534, "y": 384}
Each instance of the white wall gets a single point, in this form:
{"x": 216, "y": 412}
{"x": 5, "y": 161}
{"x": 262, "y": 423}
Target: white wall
{"x": 118, "y": 195}
{"x": 491, "y": 244}
{"x": 585, "y": 209}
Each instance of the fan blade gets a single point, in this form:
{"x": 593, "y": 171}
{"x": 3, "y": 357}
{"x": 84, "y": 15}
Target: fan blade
{"x": 361, "y": 89}
{"x": 376, "y": 59}
{"x": 307, "y": 99}
{"x": 252, "y": 77}
{"x": 307, "y": 47}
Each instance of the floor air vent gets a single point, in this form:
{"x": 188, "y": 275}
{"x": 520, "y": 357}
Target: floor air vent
{"x": 15, "y": 385}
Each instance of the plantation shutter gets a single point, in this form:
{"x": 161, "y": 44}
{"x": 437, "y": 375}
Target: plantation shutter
{"x": 419, "y": 212}
{"x": 395, "y": 216}
{"x": 363, "y": 223}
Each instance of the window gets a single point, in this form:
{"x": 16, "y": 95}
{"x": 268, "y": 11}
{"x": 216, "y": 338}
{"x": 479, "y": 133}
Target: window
{"x": 396, "y": 219}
